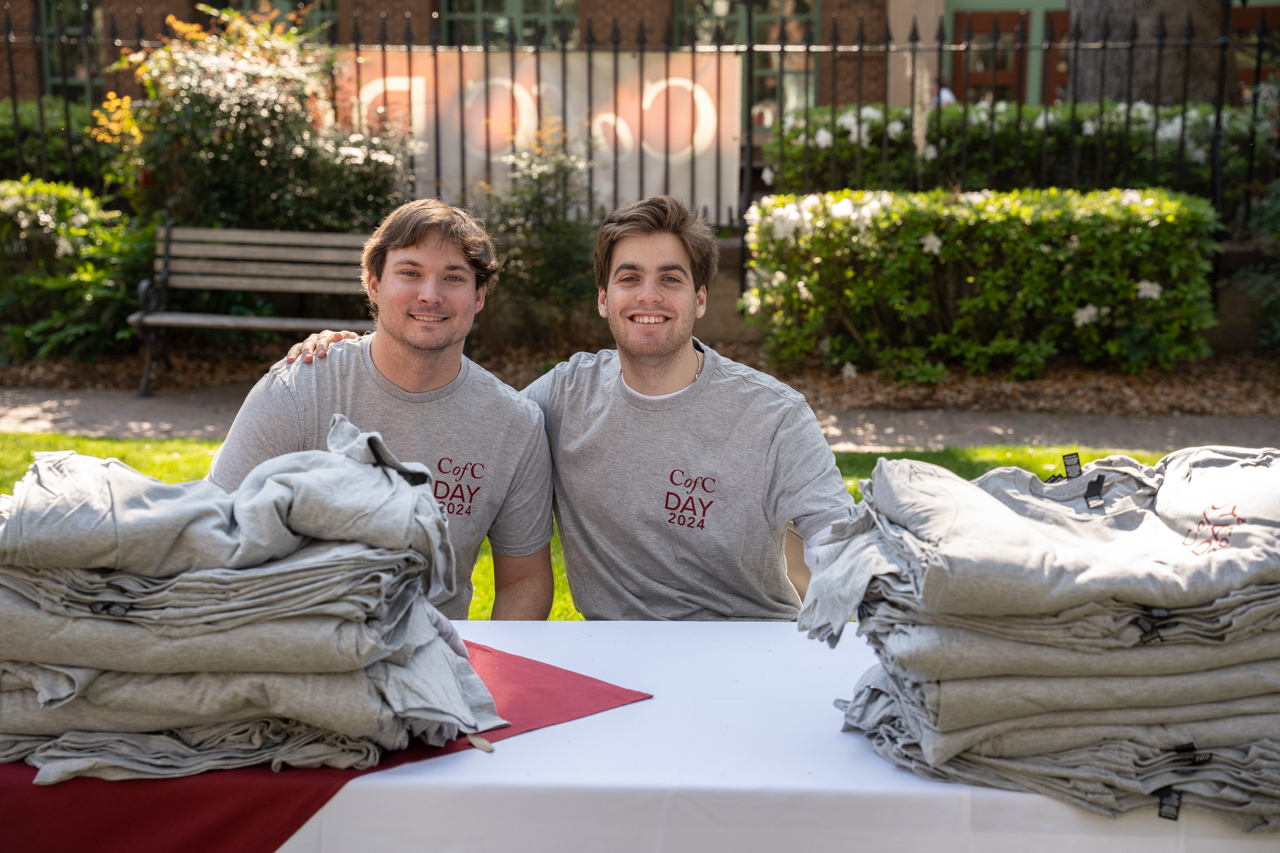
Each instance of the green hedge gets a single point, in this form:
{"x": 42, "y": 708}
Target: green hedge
{"x": 822, "y": 155}
{"x": 49, "y": 151}
{"x": 914, "y": 284}
{"x": 68, "y": 269}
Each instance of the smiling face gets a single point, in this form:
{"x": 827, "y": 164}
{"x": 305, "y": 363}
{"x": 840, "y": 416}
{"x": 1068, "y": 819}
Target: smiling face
{"x": 649, "y": 299}
{"x": 427, "y": 296}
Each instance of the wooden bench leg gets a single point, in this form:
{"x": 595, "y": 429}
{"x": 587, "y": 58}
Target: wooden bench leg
{"x": 145, "y": 390}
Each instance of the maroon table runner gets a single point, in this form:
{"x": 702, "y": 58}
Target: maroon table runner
{"x": 255, "y": 810}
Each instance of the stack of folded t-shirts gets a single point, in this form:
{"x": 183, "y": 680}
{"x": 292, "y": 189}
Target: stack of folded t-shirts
{"x": 1112, "y": 640}
{"x": 153, "y": 630}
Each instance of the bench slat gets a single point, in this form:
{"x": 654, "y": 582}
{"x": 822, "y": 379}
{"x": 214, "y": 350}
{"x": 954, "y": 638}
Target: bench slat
{"x": 266, "y": 238}
{"x": 174, "y": 319}
{"x": 269, "y": 285}
{"x": 261, "y": 269}
{"x": 260, "y": 253}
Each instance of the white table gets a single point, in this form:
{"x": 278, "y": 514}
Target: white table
{"x": 739, "y": 750}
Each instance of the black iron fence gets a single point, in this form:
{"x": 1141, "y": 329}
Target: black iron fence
{"x": 719, "y": 123}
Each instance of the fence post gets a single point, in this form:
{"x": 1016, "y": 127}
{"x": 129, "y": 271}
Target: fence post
{"x": 1131, "y": 37}
{"x": 1161, "y": 35}
{"x": 615, "y": 38}
{"x": 719, "y": 40}
{"x": 563, "y": 37}
{"x": 808, "y": 133}
{"x": 1099, "y": 136}
{"x": 964, "y": 99}
{"x": 884, "y": 124}
{"x": 434, "y": 37}
{"x": 1075, "y": 93}
{"x": 641, "y": 38}
{"x": 408, "y": 58}
{"x": 591, "y": 140}
{"x": 1046, "y": 102}
{"x": 857, "y": 148}
{"x": 1224, "y": 43}
{"x": 940, "y": 37}
{"x": 748, "y": 136}
{"x": 358, "y": 124}
{"x": 66, "y": 101}
{"x": 1188, "y": 34}
{"x": 1020, "y": 61}
{"x": 113, "y": 35}
{"x": 1261, "y": 33}
{"x": 832, "y": 171}
{"x": 913, "y": 42}
{"x": 668, "y": 33}
{"x": 382, "y": 55}
{"x": 991, "y": 117}
{"x": 13, "y": 92}
{"x": 693, "y": 117}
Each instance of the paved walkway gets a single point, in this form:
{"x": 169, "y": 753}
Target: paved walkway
{"x": 208, "y": 413}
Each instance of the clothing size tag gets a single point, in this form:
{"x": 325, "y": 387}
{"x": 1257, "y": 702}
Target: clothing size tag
{"x": 1093, "y": 493}
{"x": 1170, "y": 803}
{"x": 1071, "y": 461}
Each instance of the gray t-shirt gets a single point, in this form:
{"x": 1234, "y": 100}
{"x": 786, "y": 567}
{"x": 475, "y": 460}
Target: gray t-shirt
{"x": 677, "y": 508}
{"x": 484, "y": 443}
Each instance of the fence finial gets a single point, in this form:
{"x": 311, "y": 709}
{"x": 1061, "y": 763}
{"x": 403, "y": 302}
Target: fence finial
{"x": 138, "y": 32}
{"x": 862, "y": 35}
{"x": 914, "y": 36}
{"x": 408, "y": 28}
{"x": 835, "y": 30}
{"x": 1261, "y": 29}
{"x": 113, "y": 32}
{"x": 563, "y": 35}
{"x": 591, "y": 33}
{"x": 1106, "y": 28}
{"x": 1161, "y": 32}
{"x": 888, "y": 36}
{"x": 355, "y": 27}
{"x": 1189, "y": 31}
{"x": 8, "y": 27}
{"x": 1132, "y": 35}
{"x": 1020, "y": 33}
{"x": 382, "y": 31}
{"x": 668, "y": 34}
{"x": 968, "y": 28}
{"x": 615, "y": 37}
{"x": 641, "y": 36}
{"x": 1050, "y": 35}
{"x": 1074, "y": 32}
{"x": 995, "y": 30}
{"x": 940, "y": 37}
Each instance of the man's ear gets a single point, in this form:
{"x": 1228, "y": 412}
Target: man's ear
{"x": 702, "y": 301}
{"x": 371, "y": 289}
{"x": 481, "y": 292}
{"x": 602, "y": 302}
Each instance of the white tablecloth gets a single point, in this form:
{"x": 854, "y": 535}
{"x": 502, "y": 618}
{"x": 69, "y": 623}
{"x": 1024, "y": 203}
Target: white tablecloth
{"x": 739, "y": 750}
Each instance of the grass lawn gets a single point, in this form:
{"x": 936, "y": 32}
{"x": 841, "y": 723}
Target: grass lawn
{"x": 176, "y": 460}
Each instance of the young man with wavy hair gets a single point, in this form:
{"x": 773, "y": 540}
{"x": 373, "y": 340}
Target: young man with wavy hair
{"x": 676, "y": 469}
{"x": 426, "y": 271}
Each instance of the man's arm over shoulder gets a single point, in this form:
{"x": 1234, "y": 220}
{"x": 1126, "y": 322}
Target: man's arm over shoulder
{"x": 267, "y": 425}
{"x": 540, "y": 392}
{"x": 806, "y": 487}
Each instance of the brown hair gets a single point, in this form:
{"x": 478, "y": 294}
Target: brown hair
{"x": 412, "y": 223}
{"x": 659, "y": 215}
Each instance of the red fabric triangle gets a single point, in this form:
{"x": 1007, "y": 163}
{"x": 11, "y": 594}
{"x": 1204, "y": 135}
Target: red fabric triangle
{"x": 254, "y": 810}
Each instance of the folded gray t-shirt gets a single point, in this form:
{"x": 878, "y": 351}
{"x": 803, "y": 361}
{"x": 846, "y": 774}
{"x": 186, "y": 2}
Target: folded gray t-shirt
{"x": 484, "y": 443}
{"x": 676, "y": 508}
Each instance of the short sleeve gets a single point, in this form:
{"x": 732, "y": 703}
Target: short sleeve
{"x": 267, "y": 425}
{"x": 805, "y": 486}
{"x": 540, "y": 392}
{"x": 523, "y": 523}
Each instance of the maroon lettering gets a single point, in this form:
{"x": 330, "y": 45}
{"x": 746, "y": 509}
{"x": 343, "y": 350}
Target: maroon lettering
{"x": 471, "y": 492}
{"x": 473, "y": 469}
{"x": 672, "y": 496}
{"x": 457, "y": 494}
{"x": 705, "y": 506}
{"x": 441, "y": 484}
{"x": 688, "y": 506}
{"x": 690, "y": 484}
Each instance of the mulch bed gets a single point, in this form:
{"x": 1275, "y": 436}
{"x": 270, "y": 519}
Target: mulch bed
{"x": 1234, "y": 384}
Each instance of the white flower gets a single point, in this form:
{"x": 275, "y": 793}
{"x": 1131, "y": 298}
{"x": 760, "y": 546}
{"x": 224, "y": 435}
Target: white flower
{"x": 1129, "y": 197}
{"x": 298, "y": 152}
{"x": 1089, "y": 127}
{"x": 1086, "y": 315}
{"x": 823, "y": 138}
{"x": 752, "y": 216}
{"x": 843, "y": 209}
{"x": 1170, "y": 129}
{"x": 1197, "y": 154}
{"x": 895, "y": 129}
{"x": 930, "y": 152}
{"x": 1149, "y": 290}
{"x": 931, "y": 243}
{"x": 1042, "y": 120}
{"x": 976, "y": 197}
{"x": 1142, "y": 111}
{"x": 384, "y": 157}
{"x": 355, "y": 155}
{"x": 1073, "y": 244}
{"x": 751, "y": 301}
{"x": 870, "y": 113}
{"x": 849, "y": 371}
{"x": 767, "y": 176}
{"x": 1046, "y": 248}
{"x": 779, "y": 279}
{"x": 805, "y": 295}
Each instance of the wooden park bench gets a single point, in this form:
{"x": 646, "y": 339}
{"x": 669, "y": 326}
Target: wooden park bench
{"x": 235, "y": 259}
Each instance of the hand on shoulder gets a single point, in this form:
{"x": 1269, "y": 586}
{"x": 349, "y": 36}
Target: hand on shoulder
{"x": 317, "y": 346}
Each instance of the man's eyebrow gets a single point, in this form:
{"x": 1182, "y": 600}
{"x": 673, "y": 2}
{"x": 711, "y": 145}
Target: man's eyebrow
{"x": 673, "y": 267}
{"x": 407, "y": 262}
{"x": 463, "y": 267}
{"x": 631, "y": 266}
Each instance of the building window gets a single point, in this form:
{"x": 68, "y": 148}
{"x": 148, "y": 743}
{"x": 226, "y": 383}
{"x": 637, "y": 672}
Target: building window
{"x": 511, "y": 23}
{"x": 780, "y": 77}
{"x": 1001, "y": 67}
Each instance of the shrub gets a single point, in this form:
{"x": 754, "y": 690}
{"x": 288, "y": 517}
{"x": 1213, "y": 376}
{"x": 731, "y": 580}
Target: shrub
{"x": 912, "y": 284}
{"x": 54, "y": 142}
{"x": 826, "y": 157}
{"x": 232, "y": 134}
{"x": 67, "y": 271}
{"x": 547, "y": 241}
{"x": 1261, "y": 282}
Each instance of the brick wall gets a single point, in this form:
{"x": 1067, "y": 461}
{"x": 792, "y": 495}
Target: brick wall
{"x": 371, "y": 20}
{"x": 629, "y": 13}
{"x": 873, "y": 14}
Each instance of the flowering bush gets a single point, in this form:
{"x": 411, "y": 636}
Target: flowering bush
{"x": 233, "y": 133}
{"x": 914, "y": 283}
{"x": 67, "y": 270}
{"x": 827, "y": 156}
{"x": 547, "y": 240}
